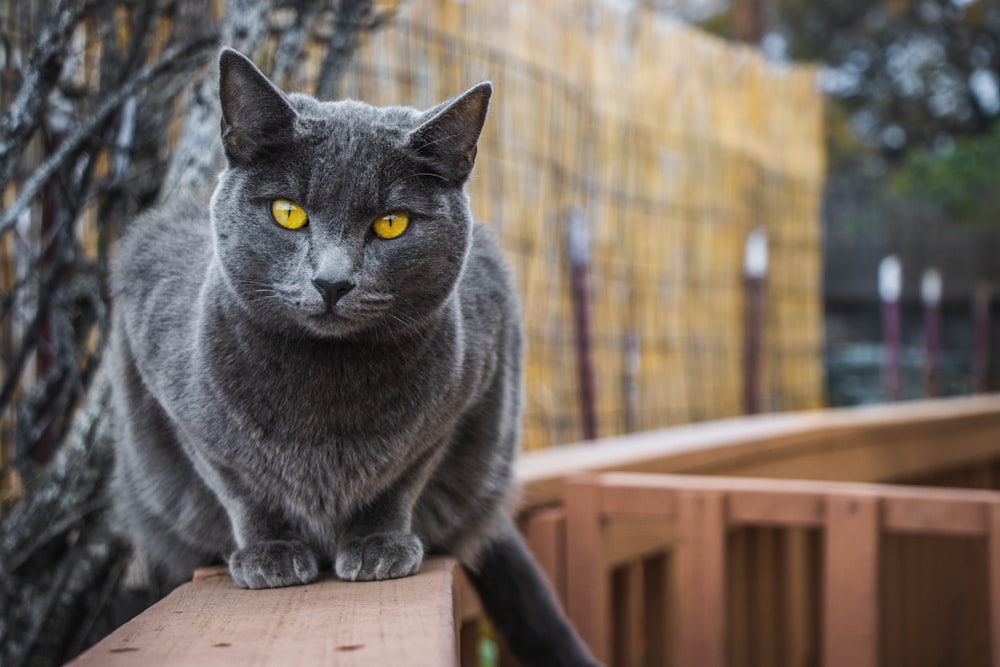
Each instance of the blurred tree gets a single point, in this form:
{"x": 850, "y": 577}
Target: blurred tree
{"x": 905, "y": 76}
{"x": 958, "y": 185}
{"x": 911, "y": 72}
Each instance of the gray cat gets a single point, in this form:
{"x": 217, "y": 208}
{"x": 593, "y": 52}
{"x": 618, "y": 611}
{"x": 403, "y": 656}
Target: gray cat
{"x": 322, "y": 367}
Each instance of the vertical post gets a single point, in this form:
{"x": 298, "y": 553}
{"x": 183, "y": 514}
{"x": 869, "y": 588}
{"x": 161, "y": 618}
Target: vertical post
{"x": 588, "y": 587}
{"x": 632, "y": 363}
{"x": 930, "y": 294}
{"x": 578, "y": 242}
{"x": 890, "y": 285}
{"x": 993, "y": 558}
{"x": 749, "y": 20}
{"x": 981, "y": 322}
{"x": 545, "y": 534}
{"x": 754, "y": 277}
{"x": 850, "y": 581}
{"x": 701, "y": 578}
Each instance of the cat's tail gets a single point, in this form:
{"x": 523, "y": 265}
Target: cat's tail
{"x": 521, "y": 606}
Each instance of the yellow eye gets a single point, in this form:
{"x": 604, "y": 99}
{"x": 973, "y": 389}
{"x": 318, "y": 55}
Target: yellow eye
{"x": 392, "y": 225}
{"x": 288, "y": 214}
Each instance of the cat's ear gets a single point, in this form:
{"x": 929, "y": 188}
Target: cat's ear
{"x": 446, "y": 140}
{"x": 256, "y": 116}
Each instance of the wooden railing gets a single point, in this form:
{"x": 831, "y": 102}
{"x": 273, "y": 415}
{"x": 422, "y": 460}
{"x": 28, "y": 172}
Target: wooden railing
{"x": 835, "y": 582}
{"x": 777, "y": 572}
{"x": 414, "y": 621}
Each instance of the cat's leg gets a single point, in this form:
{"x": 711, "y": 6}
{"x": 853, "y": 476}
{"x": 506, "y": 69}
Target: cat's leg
{"x": 378, "y": 543}
{"x": 267, "y": 554}
{"x": 273, "y": 564}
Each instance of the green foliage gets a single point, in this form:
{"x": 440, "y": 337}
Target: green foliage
{"x": 962, "y": 185}
{"x": 903, "y": 69}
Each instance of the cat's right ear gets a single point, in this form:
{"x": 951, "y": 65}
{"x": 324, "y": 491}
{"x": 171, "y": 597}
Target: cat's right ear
{"x": 446, "y": 141}
{"x": 256, "y": 116}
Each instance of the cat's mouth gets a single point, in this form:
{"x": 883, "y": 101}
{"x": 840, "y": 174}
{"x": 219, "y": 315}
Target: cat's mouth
{"x": 334, "y": 322}
{"x": 348, "y": 316}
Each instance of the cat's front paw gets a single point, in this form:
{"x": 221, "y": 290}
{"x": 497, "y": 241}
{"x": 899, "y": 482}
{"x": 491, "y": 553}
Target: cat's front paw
{"x": 273, "y": 564}
{"x": 379, "y": 556}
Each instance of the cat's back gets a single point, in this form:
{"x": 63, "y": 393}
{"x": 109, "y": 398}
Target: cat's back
{"x": 491, "y": 306}
{"x": 163, "y": 254}
{"x": 156, "y": 278}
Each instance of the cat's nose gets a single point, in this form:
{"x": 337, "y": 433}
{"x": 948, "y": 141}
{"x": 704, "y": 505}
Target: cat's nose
{"x": 332, "y": 290}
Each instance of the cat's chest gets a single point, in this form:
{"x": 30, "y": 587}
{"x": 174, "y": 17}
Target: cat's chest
{"x": 323, "y": 438}
{"x": 341, "y": 407}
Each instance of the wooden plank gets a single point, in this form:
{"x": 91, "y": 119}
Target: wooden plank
{"x": 772, "y": 551}
{"x": 738, "y": 616}
{"x": 633, "y": 539}
{"x": 968, "y": 516}
{"x": 635, "y": 627}
{"x": 469, "y": 617}
{"x": 628, "y": 604}
{"x": 871, "y": 444}
{"x": 891, "y": 590}
{"x": 850, "y": 606}
{"x": 639, "y": 495}
{"x": 766, "y": 615}
{"x": 701, "y": 578}
{"x": 211, "y": 622}
{"x": 777, "y": 507}
{"x": 993, "y": 559}
{"x": 588, "y": 595}
{"x": 796, "y": 601}
{"x": 805, "y": 487}
{"x": 545, "y": 535}
{"x": 655, "y": 615}
{"x": 466, "y": 598}
{"x": 471, "y": 636}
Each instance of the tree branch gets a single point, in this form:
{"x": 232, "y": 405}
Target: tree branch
{"x": 175, "y": 59}
{"x": 19, "y": 122}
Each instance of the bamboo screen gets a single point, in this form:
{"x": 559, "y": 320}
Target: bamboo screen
{"x": 672, "y": 145}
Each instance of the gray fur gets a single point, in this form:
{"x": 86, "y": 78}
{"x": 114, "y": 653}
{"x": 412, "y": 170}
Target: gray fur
{"x": 257, "y": 425}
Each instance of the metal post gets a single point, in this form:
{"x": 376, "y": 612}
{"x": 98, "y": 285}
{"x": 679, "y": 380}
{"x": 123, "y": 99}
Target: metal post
{"x": 578, "y": 241}
{"x": 890, "y": 285}
{"x": 981, "y": 349}
{"x": 631, "y": 365}
{"x": 930, "y": 293}
{"x": 754, "y": 279}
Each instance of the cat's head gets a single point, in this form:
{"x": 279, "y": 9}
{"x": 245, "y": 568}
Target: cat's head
{"x": 340, "y": 218}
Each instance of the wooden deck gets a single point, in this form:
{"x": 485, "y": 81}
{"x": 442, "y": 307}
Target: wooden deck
{"x": 720, "y": 566}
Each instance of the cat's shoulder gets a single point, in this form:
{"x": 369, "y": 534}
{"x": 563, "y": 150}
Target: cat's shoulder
{"x": 487, "y": 259}
{"x": 171, "y": 238}
{"x": 488, "y": 283}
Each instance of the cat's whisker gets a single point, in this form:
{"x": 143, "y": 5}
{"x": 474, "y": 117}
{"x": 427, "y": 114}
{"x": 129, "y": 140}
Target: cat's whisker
{"x": 428, "y": 144}
{"x": 427, "y": 173}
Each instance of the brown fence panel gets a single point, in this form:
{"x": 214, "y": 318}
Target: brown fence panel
{"x": 787, "y": 572}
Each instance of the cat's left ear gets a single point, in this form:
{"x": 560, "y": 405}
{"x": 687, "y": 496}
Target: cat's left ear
{"x": 447, "y": 139}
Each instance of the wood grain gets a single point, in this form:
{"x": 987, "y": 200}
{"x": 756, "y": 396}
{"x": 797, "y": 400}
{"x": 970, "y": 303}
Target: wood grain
{"x": 211, "y": 622}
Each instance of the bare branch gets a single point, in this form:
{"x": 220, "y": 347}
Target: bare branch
{"x": 353, "y": 17}
{"x": 22, "y": 117}
{"x": 177, "y": 58}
